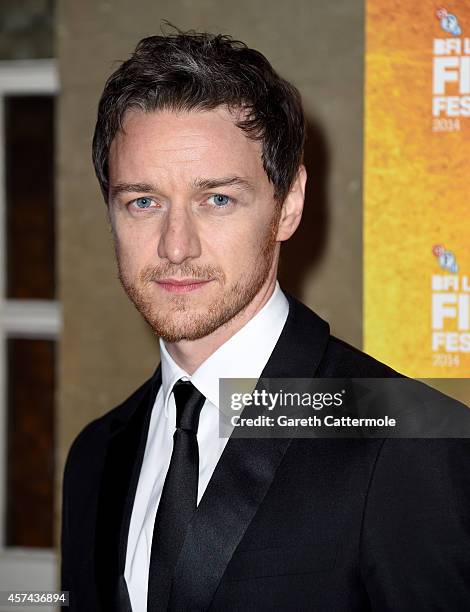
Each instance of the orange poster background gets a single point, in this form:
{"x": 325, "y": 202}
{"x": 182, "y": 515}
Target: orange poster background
{"x": 417, "y": 188}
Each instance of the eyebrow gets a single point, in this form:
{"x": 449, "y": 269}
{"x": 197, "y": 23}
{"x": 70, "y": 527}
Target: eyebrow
{"x": 120, "y": 188}
{"x": 226, "y": 181}
{"x": 200, "y": 184}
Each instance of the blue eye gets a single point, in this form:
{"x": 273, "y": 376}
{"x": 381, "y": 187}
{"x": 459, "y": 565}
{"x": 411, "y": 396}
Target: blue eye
{"x": 143, "y": 202}
{"x": 220, "y": 200}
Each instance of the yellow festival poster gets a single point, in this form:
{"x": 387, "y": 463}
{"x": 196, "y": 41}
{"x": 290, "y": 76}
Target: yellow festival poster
{"x": 417, "y": 187}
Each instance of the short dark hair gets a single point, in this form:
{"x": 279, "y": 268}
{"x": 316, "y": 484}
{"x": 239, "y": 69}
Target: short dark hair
{"x": 201, "y": 71}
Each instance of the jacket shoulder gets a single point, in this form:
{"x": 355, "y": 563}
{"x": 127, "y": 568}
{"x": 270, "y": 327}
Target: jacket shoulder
{"x": 343, "y": 360}
{"x": 307, "y": 337}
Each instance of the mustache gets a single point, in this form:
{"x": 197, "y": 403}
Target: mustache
{"x": 185, "y": 270}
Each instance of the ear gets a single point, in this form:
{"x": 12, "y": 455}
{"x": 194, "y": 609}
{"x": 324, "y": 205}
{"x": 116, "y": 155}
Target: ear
{"x": 292, "y": 206}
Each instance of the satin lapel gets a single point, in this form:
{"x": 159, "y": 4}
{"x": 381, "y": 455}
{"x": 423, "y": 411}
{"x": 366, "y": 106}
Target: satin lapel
{"x": 244, "y": 473}
{"x": 121, "y": 471}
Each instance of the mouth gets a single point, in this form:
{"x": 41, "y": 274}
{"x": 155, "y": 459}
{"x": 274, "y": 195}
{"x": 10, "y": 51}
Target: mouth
{"x": 186, "y": 285}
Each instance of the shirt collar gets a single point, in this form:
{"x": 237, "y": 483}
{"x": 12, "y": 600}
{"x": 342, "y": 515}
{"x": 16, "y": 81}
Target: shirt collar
{"x": 244, "y": 355}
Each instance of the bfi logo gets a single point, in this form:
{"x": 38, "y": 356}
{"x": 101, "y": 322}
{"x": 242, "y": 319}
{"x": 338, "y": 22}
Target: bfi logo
{"x": 451, "y": 308}
{"x": 451, "y": 69}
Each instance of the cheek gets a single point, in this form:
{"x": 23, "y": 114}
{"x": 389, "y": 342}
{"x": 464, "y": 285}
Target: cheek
{"x": 134, "y": 249}
{"x": 128, "y": 258}
{"x": 237, "y": 253}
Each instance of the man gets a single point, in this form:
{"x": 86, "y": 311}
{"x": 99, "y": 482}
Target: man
{"x": 198, "y": 151}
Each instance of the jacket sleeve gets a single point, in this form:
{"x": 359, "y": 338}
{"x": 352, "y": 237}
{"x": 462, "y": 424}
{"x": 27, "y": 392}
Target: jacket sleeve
{"x": 79, "y": 490}
{"x": 65, "y": 570}
{"x": 415, "y": 541}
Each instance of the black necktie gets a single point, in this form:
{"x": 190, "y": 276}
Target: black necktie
{"x": 179, "y": 496}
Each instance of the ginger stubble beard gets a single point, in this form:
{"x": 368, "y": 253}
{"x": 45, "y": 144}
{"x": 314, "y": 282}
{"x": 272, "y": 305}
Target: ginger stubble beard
{"x": 223, "y": 309}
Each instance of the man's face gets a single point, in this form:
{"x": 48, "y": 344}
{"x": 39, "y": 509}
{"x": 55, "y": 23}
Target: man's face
{"x": 193, "y": 217}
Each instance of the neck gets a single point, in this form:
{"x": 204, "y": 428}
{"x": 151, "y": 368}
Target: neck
{"x": 190, "y": 354}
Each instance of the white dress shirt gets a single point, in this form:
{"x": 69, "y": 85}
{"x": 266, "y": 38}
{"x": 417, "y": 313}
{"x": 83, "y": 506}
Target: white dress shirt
{"x": 244, "y": 355}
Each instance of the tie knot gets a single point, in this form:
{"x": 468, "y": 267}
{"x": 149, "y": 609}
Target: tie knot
{"x": 189, "y": 402}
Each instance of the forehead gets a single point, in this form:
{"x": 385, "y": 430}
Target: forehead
{"x": 183, "y": 143}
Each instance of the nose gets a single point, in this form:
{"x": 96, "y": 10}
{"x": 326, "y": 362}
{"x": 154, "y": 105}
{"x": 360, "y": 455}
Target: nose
{"x": 179, "y": 239}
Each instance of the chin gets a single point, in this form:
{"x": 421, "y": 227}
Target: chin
{"x": 190, "y": 323}
{"x": 176, "y": 329}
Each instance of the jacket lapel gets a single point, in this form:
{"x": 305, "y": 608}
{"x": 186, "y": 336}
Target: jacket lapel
{"x": 120, "y": 476}
{"x": 244, "y": 473}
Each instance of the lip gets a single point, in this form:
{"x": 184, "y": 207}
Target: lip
{"x": 185, "y": 285}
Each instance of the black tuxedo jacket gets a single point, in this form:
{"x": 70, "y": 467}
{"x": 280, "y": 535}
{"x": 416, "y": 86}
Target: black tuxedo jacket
{"x": 329, "y": 525}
